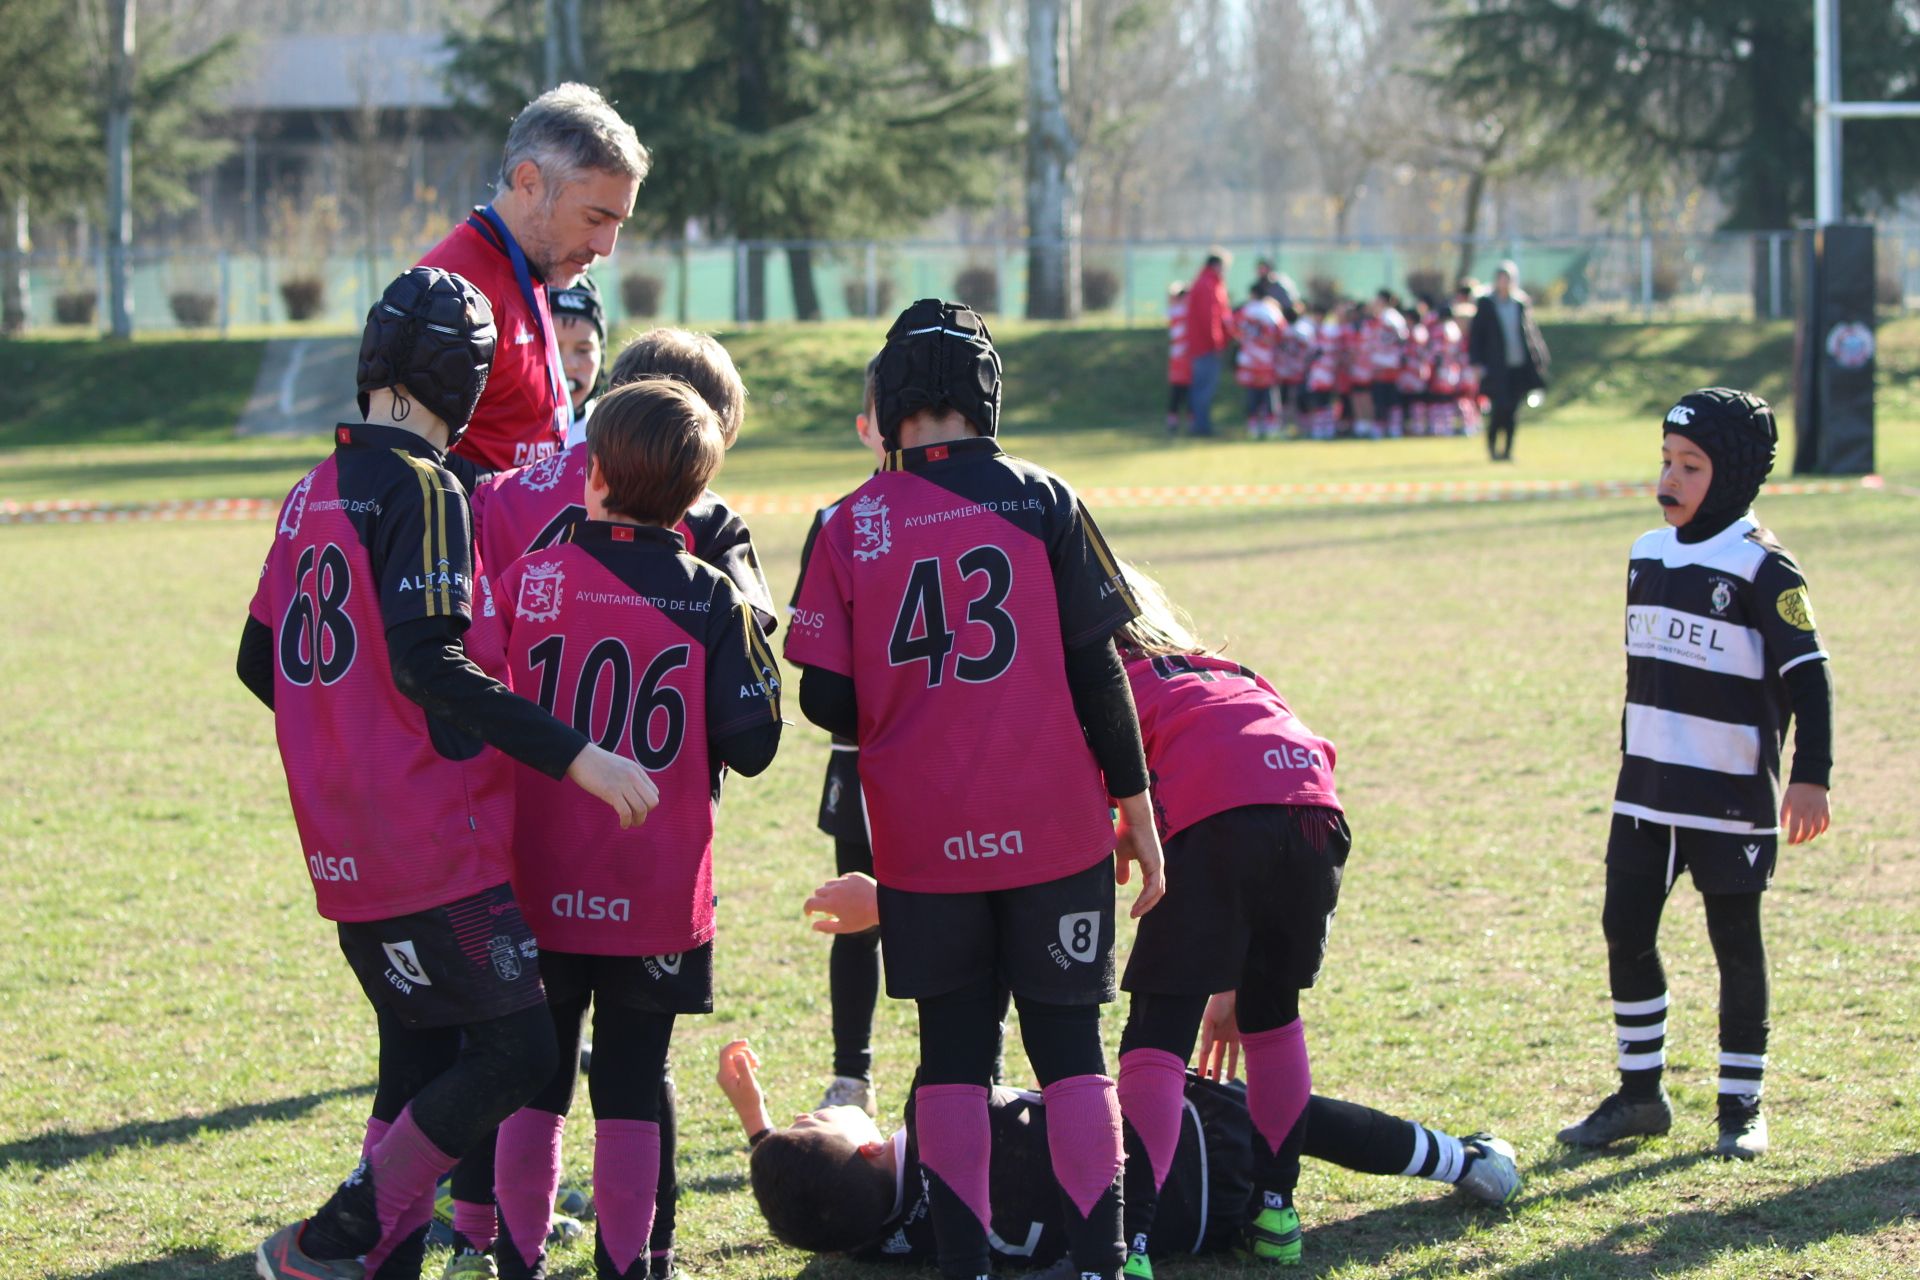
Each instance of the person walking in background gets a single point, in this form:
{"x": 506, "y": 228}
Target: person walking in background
{"x": 1209, "y": 328}
{"x": 1508, "y": 356}
{"x": 1179, "y": 361}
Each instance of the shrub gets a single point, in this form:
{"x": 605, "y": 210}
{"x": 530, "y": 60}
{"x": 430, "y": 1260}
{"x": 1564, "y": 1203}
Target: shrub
{"x": 978, "y": 287}
{"x": 75, "y": 306}
{"x": 1323, "y": 291}
{"x": 856, "y": 294}
{"x": 641, "y": 292}
{"x": 1099, "y": 287}
{"x": 305, "y": 296}
{"x": 192, "y": 309}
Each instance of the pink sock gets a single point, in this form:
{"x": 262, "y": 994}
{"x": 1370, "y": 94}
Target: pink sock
{"x": 477, "y": 1224}
{"x": 626, "y": 1180}
{"x": 376, "y": 1130}
{"x": 1083, "y": 1136}
{"x": 526, "y": 1173}
{"x": 1152, "y": 1085}
{"x": 956, "y": 1142}
{"x": 1279, "y": 1082}
{"x": 405, "y": 1166}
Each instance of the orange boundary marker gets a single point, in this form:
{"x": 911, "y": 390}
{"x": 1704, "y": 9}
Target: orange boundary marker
{"x": 1359, "y": 493}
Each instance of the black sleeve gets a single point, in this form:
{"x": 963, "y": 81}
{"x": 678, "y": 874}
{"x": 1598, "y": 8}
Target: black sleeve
{"x": 1479, "y": 336}
{"x": 1810, "y": 686}
{"x": 431, "y": 668}
{"x": 723, "y": 540}
{"x": 827, "y": 699}
{"x": 469, "y": 473}
{"x": 1103, "y": 700}
{"x": 255, "y": 665}
{"x": 749, "y": 751}
{"x": 1094, "y": 599}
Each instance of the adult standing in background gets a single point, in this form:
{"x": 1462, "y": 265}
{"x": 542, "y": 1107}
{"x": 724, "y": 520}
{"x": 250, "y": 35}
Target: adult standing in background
{"x": 1509, "y": 355}
{"x": 568, "y": 179}
{"x": 1268, "y": 283}
{"x": 1209, "y": 329}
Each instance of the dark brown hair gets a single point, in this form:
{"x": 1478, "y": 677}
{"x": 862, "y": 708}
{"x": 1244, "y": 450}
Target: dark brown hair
{"x": 658, "y": 446}
{"x": 817, "y": 1192}
{"x": 698, "y": 360}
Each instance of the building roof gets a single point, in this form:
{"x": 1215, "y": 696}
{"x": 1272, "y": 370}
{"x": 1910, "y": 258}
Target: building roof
{"x": 342, "y": 72}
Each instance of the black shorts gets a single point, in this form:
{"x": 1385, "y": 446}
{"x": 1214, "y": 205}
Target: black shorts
{"x": 1721, "y": 861}
{"x": 843, "y": 815}
{"x": 1250, "y": 892}
{"x": 679, "y": 983}
{"x": 469, "y": 961}
{"x": 1050, "y": 942}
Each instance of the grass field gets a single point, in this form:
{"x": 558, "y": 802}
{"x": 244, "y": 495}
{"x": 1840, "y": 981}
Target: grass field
{"x": 187, "y": 1061}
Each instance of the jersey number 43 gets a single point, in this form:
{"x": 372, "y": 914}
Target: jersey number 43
{"x": 920, "y": 632}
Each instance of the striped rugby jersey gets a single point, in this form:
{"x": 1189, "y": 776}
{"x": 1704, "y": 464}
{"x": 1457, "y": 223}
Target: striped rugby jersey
{"x": 1712, "y": 628}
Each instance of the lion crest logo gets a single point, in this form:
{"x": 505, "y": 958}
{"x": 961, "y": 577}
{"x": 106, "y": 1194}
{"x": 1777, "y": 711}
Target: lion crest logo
{"x": 543, "y": 475}
{"x": 871, "y": 529}
{"x": 539, "y": 599}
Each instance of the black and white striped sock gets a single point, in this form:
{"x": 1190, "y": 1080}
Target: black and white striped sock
{"x": 1742, "y": 1074}
{"x": 1436, "y": 1155}
{"x": 1640, "y": 1031}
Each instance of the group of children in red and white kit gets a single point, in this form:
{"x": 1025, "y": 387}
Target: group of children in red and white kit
{"x": 1362, "y": 370}
{"x": 1031, "y": 719}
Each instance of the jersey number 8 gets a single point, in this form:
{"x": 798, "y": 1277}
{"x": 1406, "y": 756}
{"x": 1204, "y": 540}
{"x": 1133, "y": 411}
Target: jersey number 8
{"x": 923, "y": 609}
{"x": 655, "y": 696}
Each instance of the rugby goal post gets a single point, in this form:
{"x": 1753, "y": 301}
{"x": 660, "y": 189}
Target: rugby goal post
{"x": 1834, "y": 305}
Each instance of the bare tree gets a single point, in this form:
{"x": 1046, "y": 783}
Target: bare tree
{"x": 1053, "y": 215}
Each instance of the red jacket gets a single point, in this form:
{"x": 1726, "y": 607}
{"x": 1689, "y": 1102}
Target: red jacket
{"x": 1209, "y": 315}
{"x": 523, "y": 414}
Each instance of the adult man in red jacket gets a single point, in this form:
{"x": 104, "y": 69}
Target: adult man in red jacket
{"x": 1209, "y": 328}
{"x": 568, "y": 179}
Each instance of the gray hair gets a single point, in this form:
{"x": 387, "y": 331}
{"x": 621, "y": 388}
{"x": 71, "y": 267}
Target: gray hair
{"x": 567, "y": 131}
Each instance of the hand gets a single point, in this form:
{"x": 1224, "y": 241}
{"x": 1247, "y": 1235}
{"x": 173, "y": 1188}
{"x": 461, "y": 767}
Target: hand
{"x": 850, "y": 903}
{"x": 1140, "y": 842}
{"x": 1220, "y": 1038}
{"x": 623, "y": 784}
{"x": 1804, "y": 813}
{"x": 736, "y": 1079}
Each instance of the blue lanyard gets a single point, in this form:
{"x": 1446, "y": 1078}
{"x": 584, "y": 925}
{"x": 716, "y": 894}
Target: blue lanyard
{"x": 485, "y": 220}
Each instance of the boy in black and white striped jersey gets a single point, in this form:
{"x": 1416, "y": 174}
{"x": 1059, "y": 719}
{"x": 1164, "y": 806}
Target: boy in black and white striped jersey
{"x": 1721, "y": 653}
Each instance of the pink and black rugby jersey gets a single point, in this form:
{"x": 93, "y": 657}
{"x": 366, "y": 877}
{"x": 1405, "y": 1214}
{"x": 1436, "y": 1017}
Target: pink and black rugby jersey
{"x": 948, "y": 587}
{"x": 397, "y": 811}
{"x": 528, "y": 508}
{"x": 653, "y": 655}
{"x": 1218, "y": 736}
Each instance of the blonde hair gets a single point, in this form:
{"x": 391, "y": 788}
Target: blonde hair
{"x": 1163, "y": 629}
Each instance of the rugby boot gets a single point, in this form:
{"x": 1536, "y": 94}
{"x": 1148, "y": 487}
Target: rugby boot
{"x": 466, "y": 1265}
{"x": 1743, "y": 1130}
{"x": 1139, "y": 1266}
{"x": 1274, "y": 1236}
{"x": 1621, "y": 1117}
{"x": 850, "y": 1091}
{"x": 1491, "y": 1174}
{"x": 281, "y": 1258}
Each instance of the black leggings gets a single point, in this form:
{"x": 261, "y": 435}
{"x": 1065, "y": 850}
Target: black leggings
{"x": 1631, "y": 922}
{"x": 629, "y": 1061}
{"x": 1503, "y": 416}
{"x": 853, "y": 977}
{"x": 461, "y": 1081}
{"x": 960, "y": 1037}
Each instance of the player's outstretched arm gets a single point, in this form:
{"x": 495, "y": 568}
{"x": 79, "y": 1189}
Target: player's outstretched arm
{"x": 1140, "y": 842}
{"x": 1805, "y": 812}
{"x": 736, "y": 1079}
{"x": 621, "y": 783}
{"x": 848, "y": 903}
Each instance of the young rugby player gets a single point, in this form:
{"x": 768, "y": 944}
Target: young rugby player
{"x": 526, "y": 510}
{"x": 391, "y": 740}
{"x": 1721, "y": 652}
{"x": 955, "y": 619}
{"x": 580, "y": 325}
{"x": 660, "y": 659}
{"x": 1256, "y": 847}
{"x": 853, "y": 963}
{"x": 832, "y": 1183}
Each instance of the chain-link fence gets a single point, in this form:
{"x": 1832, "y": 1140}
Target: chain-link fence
{"x": 1735, "y": 276}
